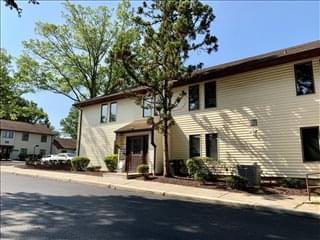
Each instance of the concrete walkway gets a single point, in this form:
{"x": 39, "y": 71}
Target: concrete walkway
{"x": 297, "y": 205}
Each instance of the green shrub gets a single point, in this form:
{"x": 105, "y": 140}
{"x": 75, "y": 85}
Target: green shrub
{"x": 292, "y": 183}
{"x": 80, "y": 163}
{"x": 143, "y": 169}
{"x": 236, "y": 182}
{"x": 111, "y": 162}
{"x": 197, "y": 168}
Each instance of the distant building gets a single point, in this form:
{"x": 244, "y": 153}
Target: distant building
{"x": 64, "y": 145}
{"x": 24, "y": 138}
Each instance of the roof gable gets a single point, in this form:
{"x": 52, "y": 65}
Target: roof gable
{"x": 25, "y": 127}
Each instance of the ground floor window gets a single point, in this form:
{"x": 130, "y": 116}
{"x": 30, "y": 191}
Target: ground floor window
{"x": 194, "y": 145}
{"x": 42, "y": 152}
{"x": 212, "y": 146}
{"x": 310, "y": 144}
{"x": 23, "y": 151}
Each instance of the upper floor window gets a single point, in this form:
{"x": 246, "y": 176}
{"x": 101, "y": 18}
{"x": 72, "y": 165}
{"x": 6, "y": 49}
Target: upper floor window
{"x": 147, "y": 109}
{"x": 7, "y": 134}
{"x": 310, "y": 144}
{"x": 210, "y": 95}
{"x": 104, "y": 113}
{"x": 113, "y": 112}
{"x": 194, "y": 103}
{"x": 43, "y": 138}
{"x": 194, "y": 145}
{"x": 25, "y": 136}
{"x": 304, "y": 78}
{"x": 212, "y": 146}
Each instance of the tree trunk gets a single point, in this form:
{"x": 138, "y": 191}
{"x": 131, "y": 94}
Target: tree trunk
{"x": 166, "y": 168}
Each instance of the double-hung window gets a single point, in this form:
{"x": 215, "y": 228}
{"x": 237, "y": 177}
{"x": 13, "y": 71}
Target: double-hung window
{"x": 113, "y": 112}
{"x": 194, "y": 145}
{"x": 104, "y": 113}
{"x": 25, "y": 136}
{"x": 212, "y": 146}
{"x": 7, "y": 134}
{"x": 310, "y": 144}
{"x": 147, "y": 109}
{"x": 44, "y": 138}
{"x": 210, "y": 95}
{"x": 304, "y": 78}
{"x": 194, "y": 103}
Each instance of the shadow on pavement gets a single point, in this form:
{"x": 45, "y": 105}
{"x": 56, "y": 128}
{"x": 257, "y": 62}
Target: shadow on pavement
{"x": 36, "y": 216}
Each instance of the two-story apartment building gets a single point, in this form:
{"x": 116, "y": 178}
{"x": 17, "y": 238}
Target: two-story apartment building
{"x": 263, "y": 109}
{"x": 24, "y": 138}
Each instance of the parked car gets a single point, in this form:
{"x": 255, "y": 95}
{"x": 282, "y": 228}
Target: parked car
{"x": 49, "y": 158}
{"x": 58, "y": 157}
{"x": 65, "y": 156}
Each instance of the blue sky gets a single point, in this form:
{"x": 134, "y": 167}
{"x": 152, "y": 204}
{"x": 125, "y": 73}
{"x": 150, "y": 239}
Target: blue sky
{"x": 244, "y": 28}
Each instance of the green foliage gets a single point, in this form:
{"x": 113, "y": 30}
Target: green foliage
{"x": 171, "y": 30}
{"x": 236, "y": 182}
{"x": 80, "y": 163}
{"x": 70, "y": 123}
{"x": 197, "y": 168}
{"x": 143, "y": 168}
{"x": 74, "y": 58}
{"x": 111, "y": 162}
{"x": 292, "y": 183}
{"x": 12, "y": 105}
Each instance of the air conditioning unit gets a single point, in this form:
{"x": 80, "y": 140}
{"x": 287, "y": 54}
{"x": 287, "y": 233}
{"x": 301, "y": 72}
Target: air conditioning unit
{"x": 251, "y": 172}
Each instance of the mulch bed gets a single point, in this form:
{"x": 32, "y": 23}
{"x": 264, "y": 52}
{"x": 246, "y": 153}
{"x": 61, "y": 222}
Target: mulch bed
{"x": 90, "y": 173}
{"x": 266, "y": 187}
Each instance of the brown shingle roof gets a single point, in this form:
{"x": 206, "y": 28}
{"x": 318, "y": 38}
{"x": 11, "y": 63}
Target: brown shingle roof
{"x": 135, "y": 126}
{"x": 303, "y": 51}
{"x": 25, "y": 127}
{"x": 64, "y": 143}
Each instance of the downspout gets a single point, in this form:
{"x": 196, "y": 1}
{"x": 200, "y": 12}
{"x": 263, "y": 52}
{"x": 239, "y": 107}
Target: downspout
{"x": 154, "y": 151}
{"x": 79, "y": 132}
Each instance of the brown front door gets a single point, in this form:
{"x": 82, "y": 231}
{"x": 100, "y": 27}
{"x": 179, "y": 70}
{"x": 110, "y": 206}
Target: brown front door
{"x": 137, "y": 147}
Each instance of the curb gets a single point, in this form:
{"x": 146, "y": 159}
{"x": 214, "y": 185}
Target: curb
{"x": 225, "y": 202}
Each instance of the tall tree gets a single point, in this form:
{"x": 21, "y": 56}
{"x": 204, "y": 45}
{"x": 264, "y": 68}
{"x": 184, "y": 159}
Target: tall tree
{"x": 12, "y": 105}
{"x": 70, "y": 123}
{"x": 73, "y": 59}
{"x": 171, "y": 30}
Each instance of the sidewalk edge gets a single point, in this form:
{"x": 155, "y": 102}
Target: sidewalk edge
{"x": 181, "y": 196}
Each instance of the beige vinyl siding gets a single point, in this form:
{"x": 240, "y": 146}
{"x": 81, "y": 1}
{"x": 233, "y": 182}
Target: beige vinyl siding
{"x": 98, "y": 139}
{"x": 268, "y": 95}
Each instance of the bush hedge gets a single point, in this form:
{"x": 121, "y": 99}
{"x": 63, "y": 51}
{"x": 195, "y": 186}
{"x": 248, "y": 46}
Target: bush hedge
{"x": 292, "y": 183}
{"x": 111, "y": 162}
{"x": 143, "y": 168}
{"x": 197, "y": 168}
{"x": 236, "y": 182}
{"x": 80, "y": 163}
